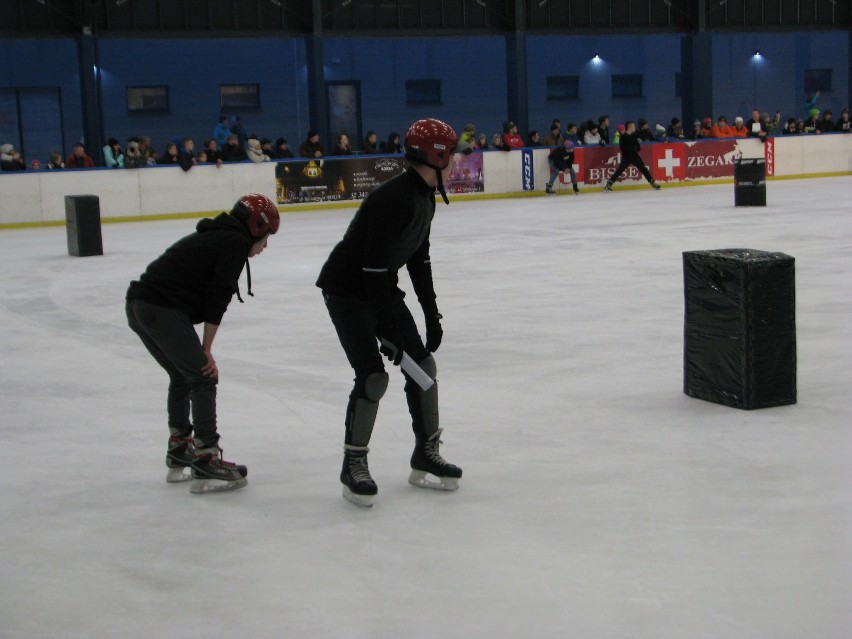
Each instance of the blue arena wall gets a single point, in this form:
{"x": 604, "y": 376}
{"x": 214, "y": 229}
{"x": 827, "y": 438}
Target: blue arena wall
{"x": 472, "y": 70}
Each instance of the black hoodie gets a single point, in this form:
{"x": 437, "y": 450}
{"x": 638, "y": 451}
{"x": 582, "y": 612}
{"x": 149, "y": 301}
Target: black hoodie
{"x": 198, "y": 273}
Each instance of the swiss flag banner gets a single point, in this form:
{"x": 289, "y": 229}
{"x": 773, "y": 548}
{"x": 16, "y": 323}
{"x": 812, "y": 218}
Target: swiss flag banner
{"x": 668, "y": 162}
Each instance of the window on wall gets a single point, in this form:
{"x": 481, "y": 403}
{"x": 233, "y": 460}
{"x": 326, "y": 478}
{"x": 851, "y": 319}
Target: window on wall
{"x": 144, "y": 99}
{"x": 626, "y": 86}
{"x": 422, "y": 92}
{"x": 563, "y": 87}
{"x": 817, "y": 80}
{"x": 239, "y": 96}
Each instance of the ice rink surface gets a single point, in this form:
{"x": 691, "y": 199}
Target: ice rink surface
{"x": 598, "y": 501}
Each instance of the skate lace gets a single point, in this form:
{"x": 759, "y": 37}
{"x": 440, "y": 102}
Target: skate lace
{"x": 222, "y": 462}
{"x": 358, "y": 469}
{"x": 430, "y": 450}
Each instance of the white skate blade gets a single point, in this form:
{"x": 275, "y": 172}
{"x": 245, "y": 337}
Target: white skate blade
{"x": 422, "y": 479}
{"x": 366, "y": 501}
{"x": 203, "y": 486}
{"x": 176, "y": 475}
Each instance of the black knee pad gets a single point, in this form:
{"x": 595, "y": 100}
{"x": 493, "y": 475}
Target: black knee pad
{"x": 375, "y": 386}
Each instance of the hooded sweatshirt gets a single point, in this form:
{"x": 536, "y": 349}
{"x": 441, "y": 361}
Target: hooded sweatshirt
{"x": 199, "y": 272}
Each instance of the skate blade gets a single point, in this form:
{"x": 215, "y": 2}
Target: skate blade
{"x": 422, "y": 479}
{"x": 365, "y": 501}
{"x": 176, "y": 475}
{"x": 203, "y": 486}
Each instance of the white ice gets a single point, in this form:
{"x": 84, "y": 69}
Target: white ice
{"x": 598, "y": 501}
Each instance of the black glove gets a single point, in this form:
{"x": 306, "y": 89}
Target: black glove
{"x": 391, "y": 347}
{"x": 434, "y": 332}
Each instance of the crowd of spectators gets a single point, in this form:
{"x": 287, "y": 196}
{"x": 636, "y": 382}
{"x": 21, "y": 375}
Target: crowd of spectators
{"x": 231, "y": 142}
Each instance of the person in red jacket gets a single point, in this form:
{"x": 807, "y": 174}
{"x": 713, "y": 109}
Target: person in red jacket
{"x": 721, "y": 129}
{"x": 511, "y": 138}
{"x": 79, "y": 159}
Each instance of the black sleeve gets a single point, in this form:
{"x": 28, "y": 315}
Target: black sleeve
{"x": 420, "y": 271}
{"x": 375, "y": 262}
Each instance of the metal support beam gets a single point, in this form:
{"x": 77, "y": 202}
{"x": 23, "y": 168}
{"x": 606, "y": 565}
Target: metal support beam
{"x": 696, "y": 77}
{"x": 516, "y": 71}
{"x": 317, "y": 102}
{"x": 90, "y": 94}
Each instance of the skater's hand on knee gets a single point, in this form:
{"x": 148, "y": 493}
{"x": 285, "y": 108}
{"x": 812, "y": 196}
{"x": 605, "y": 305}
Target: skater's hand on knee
{"x": 210, "y": 369}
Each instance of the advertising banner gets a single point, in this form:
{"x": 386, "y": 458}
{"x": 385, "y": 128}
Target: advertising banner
{"x": 466, "y": 176}
{"x": 667, "y": 161}
{"x": 769, "y": 156}
{"x": 328, "y": 180}
{"x": 527, "y": 173}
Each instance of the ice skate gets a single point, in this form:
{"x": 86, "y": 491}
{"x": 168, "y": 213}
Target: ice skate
{"x": 212, "y": 474}
{"x": 576, "y": 189}
{"x": 358, "y": 484}
{"x": 548, "y": 188}
{"x": 608, "y": 187}
{"x": 429, "y": 469}
{"x": 179, "y": 459}
{"x": 655, "y": 186}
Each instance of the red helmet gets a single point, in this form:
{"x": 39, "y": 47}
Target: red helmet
{"x": 430, "y": 142}
{"x": 259, "y": 214}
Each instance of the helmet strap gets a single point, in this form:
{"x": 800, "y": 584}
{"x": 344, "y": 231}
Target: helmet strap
{"x": 441, "y": 189}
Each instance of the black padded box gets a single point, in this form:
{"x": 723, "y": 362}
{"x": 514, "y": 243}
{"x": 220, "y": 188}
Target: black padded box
{"x": 750, "y": 182}
{"x": 83, "y": 225}
{"x": 739, "y": 327}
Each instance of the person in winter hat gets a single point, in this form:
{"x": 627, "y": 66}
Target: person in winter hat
{"x": 255, "y": 152}
{"x": 193, "y": 283}
{"x": 561, "y": 160}
{"x": 10, "y": 159}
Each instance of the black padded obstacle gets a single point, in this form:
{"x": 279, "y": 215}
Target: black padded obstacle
{"x": 739, "y": 327}
{"x": 750, "y": 182}
{"x": 83, "y": 225}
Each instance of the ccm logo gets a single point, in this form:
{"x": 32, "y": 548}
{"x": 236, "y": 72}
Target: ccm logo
{"x": 528, "y": 171}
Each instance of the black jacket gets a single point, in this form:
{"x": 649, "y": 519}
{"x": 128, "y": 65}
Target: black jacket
{"x": 198, "y": 273}
{"x": 629, "y": 144}
{"x": 562, "y": 158}
{"x": 389, "y": 231}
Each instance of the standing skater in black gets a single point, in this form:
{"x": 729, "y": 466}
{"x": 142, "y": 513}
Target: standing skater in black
{"x": 630, "y": 145}
{"x": 359, "y": 282}
{"x": 193, "y": 282}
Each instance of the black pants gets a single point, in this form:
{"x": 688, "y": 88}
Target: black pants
{"x": 355, "y": 323}
{"x": 170, "y": 337}
{"x": 635, "y": 160}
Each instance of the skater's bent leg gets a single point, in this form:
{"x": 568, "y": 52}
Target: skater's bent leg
{"x": 143, "y": 319}
{"x": 554, "y": 172}
{"x": 622, "y": 167}
{"x": 355, "y": 324}
{"x": 643, "y": 169}
{"x": 423, "y": 404}
{"x": 363, "y": 408}
{"x": 170, "y": 337}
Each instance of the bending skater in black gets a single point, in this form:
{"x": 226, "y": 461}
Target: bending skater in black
{"x": 630, "y": 145}
{"x": 193, "y": 283}
{"x": 359, "y": 282}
